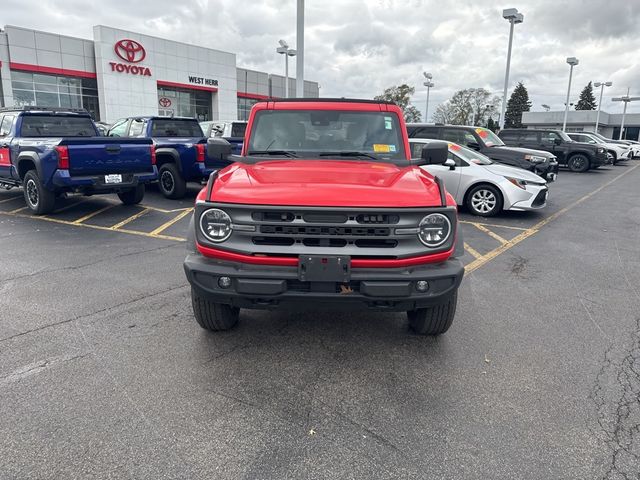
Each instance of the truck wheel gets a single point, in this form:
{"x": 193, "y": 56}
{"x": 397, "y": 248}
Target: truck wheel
{"x": 614, "y": 158}
{"x": 172, "y": 184}
{"x": 39, "y": 200}
{"x": 578, "y": 163}
{"x": 484, "y": 200}
{"x": 213, "y": 316}
{"x": 434, "y": 320}
{"x": 133, "y": 196}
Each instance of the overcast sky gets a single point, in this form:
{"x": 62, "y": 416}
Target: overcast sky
{"x": 357, "y": 48}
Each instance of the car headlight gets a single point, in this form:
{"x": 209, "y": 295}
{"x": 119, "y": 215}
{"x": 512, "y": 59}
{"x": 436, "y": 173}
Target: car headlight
{"x": 215, "y": 224}
{"x": 600, "y": 150}
{"x": 434, "y": 230}
{"x": 535, "y": 158}
{"x": 518, "y": 182}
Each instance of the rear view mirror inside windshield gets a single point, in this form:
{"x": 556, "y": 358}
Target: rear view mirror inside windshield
{"x": 324, "y": 118}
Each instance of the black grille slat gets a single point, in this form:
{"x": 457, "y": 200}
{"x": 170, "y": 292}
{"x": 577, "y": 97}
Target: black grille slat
{"x": 340, "y": 231}
{"x": 279, "y": 241}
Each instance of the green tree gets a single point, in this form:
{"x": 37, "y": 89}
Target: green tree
{"x": 587, "y": 100}
{"x": 401, "y": 96}
{"x": 492, "y": 125}
{"x": 518, "y": 103}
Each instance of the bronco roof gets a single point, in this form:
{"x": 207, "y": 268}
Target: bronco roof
{"x": 330, "y": 100}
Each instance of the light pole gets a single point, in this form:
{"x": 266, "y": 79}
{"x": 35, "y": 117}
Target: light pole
{"x": 514, "y": 17}
{"x": 626, "y": 99}
{"x": 573, "y": 61}
{"x": 427, "y": 84}
{"x": 601, "y": 85}
{"x": 300, "y": 44}
{"x": 287, "y": 52}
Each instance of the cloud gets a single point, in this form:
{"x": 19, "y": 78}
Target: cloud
{"x": 357, "y": 48}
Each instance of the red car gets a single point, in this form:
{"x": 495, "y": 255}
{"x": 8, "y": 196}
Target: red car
{"x": 325, "y": 209}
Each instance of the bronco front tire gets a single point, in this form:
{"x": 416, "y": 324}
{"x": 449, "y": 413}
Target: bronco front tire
{"x": 434, "y": 320}
{"x": 213, "y": 316}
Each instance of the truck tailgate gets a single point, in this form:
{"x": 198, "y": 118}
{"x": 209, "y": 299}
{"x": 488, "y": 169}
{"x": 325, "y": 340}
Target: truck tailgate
{"x": 103, "y": 155}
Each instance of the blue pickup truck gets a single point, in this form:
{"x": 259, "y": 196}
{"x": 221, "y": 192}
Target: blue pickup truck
{"x": 180, "y": 149}
{"x": 50, "y": 152}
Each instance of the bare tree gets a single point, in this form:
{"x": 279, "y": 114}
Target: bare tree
{"x": 471, "y": 106}
{"x": 401, "y": 96}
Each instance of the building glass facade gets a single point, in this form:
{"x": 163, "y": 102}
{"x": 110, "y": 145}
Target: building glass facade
{"x": 244, "y": 107}
{"x": 184, "y": 103}
{"x": 55, "y": 91}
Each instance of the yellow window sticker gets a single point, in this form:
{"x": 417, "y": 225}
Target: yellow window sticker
{"x": 381, "y": 148}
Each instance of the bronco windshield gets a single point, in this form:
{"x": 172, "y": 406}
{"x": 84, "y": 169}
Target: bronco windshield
{"x": 327, "y": 134}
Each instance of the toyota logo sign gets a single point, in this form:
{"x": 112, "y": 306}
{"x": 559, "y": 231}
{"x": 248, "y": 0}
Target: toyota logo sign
{"x": 164, "y": 102}
{"x": 130, "y": 51}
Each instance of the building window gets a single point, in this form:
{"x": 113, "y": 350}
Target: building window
{"x": 55, "y": 91}
{"x": 184, "y": 103}
{"x": 244, "y": 107}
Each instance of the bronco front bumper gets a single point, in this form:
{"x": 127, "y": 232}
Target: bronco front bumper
{"x": 275, "y": 287}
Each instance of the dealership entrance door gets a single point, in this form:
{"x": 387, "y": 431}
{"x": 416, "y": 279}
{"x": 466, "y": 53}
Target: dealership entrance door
{"x": 184, "y": 103}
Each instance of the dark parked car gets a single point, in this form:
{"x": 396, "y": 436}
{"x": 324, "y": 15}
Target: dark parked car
{"x": 488, "y": 143}
{"x": 578, "y": 156}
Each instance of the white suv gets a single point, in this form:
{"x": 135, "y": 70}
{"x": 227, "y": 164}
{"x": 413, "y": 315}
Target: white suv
{"x": 616, "y": 151}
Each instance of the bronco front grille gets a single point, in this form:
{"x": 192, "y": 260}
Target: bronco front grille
{"x": 355, "y": 232}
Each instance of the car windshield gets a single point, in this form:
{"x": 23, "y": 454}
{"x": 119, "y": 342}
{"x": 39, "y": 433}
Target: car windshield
{"x": 174, "y": 127}
{"x": 327, "y": 133}
{"x": 489, "y": 138}
{"x": 238, "y": 129}
{"x": 469, "y": 155}
{"x": 57, "y": 126}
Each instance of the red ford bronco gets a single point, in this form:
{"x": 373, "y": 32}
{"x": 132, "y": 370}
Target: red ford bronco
{"x": 325, "y": 209}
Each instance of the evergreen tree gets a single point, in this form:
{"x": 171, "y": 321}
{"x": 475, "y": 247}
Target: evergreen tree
{"x": 587, "y": 99}
{"x": 491, "y": 125}
{"x": 518, "y": 103}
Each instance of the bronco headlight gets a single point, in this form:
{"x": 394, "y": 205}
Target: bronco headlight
{"x": 434, "y": 230}
{"x": 535, "y": 158}
{"x": 215, "y": 224}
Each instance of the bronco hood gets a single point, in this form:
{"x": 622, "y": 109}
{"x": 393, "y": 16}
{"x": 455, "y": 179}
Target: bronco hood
{"x": 331, "y": 183}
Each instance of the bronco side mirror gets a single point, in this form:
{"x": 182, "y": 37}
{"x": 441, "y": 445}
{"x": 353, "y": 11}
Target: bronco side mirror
{"x": 218, "y": 149}
{"x": 434, "y": 153}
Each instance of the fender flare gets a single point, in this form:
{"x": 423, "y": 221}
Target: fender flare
{"x": 32, "y": 157}
{"x": 172, "y": 152}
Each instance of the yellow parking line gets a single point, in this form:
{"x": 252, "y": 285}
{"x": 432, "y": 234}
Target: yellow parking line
{"x": 130, "y": 219}
{"x": 95, "y": 227}
{"x": 524, "y": 235}
{"x": 490, "y": 233}
{"x": 472, "y": 251}
{"x": 92, "y": 214}
{"x": 18, "y": 210}
{"x": 176, "y": 219}
{"x": 10, "y": 199}
{"x": 493, "y": 225}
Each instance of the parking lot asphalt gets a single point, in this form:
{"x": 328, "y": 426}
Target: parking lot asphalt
{"x": 105, "y": 374}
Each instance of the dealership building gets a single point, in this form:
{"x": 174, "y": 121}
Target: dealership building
{"x": 585, "y": 121}
{"x": 120, "y": 73}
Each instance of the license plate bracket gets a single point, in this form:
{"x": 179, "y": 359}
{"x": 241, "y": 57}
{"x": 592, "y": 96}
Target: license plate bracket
{"x": 324, "y": 268}
{"x": 113, "y": 178}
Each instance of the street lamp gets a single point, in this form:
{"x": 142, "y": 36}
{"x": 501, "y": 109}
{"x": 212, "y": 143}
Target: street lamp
{"x": 573, "y": 61}
{"x": 287, "y": 52}
{"x": 427, "y": 84}
{"x": 514, "y": 17}
{"x": 626, "y": 99}
{"x": 601, "y": 85}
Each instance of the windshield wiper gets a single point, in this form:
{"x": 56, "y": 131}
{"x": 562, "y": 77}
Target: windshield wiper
{"x": 282, "y": 153}
{"x": 348, "y": 154}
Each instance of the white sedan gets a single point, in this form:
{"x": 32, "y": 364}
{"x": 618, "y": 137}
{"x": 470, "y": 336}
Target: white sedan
{"x": 485, "y": 187}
